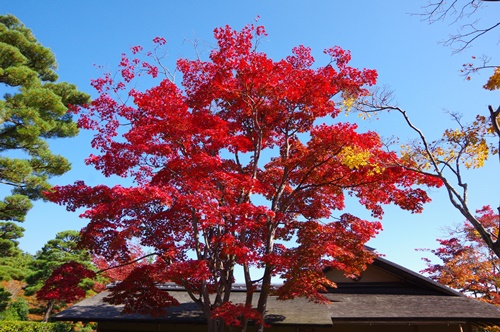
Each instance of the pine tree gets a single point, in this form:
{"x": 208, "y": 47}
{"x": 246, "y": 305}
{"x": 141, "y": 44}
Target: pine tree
{"x": 34, "y": 110}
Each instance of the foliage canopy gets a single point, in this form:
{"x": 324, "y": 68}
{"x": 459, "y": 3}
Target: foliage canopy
{"x": 243, "y": 157}
{"x": 467, "y": 264}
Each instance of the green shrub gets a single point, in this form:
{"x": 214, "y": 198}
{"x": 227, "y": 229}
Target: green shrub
{"x": 20, "y": 326}
{"x": 17, "y": 310}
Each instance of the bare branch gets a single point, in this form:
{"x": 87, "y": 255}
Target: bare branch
{"x": 441, "y": 10}
{"x": 467, "y": 38}
{"x": 457, "y": 11}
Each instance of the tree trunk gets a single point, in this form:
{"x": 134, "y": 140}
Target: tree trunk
{"x": 215, "y": 325}
{"x": 264, "y": 295}
{"x": 50, "y": 306}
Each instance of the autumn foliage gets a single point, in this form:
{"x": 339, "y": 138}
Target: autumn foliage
{"x": 115, "y": 271}
{"x": 466, "y": 263}
{"x": 243, "y": 165}
{"x": 64, "y": 283}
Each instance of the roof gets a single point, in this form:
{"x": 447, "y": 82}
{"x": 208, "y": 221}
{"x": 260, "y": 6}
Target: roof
{"x": 293, "y": 312}
{"x": 384, "y": 307}
{"x": 386, "y": 292}
{"x": 400, "y": 294}
{"x": 343, "y": 307}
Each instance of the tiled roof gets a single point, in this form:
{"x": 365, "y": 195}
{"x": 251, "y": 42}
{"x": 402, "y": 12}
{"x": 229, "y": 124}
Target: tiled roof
{"x": 409, "y": 308}
{"x": 400, "y": 295}
{"x": 293, "y": 312}
{"x": 365, "y": 306}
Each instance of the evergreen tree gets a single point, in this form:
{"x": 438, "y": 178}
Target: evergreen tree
{"x": 34, "y": 109}
{"x": 4, "y": 299}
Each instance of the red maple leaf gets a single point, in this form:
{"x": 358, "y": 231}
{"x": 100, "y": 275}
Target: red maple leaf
{"x": 240, "y": 158}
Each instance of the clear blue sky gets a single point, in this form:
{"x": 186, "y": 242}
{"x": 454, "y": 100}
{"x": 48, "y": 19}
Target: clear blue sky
{"x": 380, "y": 34}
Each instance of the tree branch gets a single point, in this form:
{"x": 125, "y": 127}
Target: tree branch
{"x": 128, "y": 263}
{"x": 459, "y": 201}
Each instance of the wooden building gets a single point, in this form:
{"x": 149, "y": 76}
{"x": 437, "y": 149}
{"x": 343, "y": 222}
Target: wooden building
{"x": 386, "y": 298}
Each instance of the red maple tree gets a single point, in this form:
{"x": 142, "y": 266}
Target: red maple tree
{"x": 65, "y": 285}
{"x": 243, "y": 157}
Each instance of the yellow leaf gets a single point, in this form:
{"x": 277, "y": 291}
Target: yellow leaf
{"x": 494, "y": 81}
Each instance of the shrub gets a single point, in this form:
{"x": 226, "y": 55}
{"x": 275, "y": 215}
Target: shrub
{"x": 20, "y": 326}
{"x": 17, "y": 310}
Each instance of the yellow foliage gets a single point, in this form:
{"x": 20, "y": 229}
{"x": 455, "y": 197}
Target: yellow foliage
{"x": 355, "y": 158}
{"x": 467, "y": 146}
{"x": 348, "y": 103}
{"x": 470, "y": 142}
{"x": 494, "y": 81}
{"x": 413, "y": 154}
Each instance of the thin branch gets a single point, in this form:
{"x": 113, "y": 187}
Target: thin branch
{"x": 457, "y": 200}
{"x": 128, "y": 263}
{"x": 466, "y": 39}
{"x": 454, "y": 12}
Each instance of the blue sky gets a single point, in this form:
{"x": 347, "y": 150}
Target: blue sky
{"x": 381, "y": 35}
